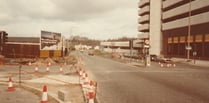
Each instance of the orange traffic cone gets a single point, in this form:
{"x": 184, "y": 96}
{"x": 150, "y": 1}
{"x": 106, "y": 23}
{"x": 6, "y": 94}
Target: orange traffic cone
{"x": 86, "y": 79}
{"x": 29, "y": 63}
{"x": 10, "y": 86}
{"x": 174, "y": 65}
{"x": 47, "y": 69}
{"x": 49, "y": 64}
{"x": 61, "y": 70}
{"x": 161, "y": 65}
{"x": 36, "y": 68}
{"x": 44, "y": 98}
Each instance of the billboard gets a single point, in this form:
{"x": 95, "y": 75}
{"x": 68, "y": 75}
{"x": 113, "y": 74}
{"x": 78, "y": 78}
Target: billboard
{"x": 50, "y": 41}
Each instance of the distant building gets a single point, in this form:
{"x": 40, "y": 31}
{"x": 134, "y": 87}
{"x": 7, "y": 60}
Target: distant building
{"x": 123, "y": 47}
{"x": 22, "y": 47}
{"x": 27, "y": 47}
{"x": 185, "y": 23}
{"x": 176, "y": 28}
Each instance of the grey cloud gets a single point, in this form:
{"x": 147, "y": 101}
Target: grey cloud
{"x": 89, "y": 16}
{"x": 68, "y": 10}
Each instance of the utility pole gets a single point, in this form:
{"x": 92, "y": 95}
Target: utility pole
{"x": 189, "y": 32}
{"x": 131, "y": 49}
{"x": 20, "y": 66}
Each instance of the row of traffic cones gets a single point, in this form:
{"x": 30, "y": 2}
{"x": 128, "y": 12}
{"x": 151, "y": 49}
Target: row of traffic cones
{"x": 44, "y": 98}
{"x": 48, "y": 64}
{"x": 48, "y": 69}
{"x": 88, "y": 86}
{"x": 166, "y": 65}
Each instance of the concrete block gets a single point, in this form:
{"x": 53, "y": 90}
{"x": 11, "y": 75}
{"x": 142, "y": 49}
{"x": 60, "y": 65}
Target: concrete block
{"x": 63, "y": 95}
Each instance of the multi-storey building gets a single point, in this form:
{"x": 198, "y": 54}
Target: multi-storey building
{"x": 150, "y": 24}
{"x": 184, "y": 27}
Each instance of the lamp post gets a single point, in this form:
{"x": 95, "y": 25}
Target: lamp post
{"x": 189, "y": 32}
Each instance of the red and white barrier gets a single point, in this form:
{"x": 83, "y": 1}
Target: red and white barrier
{"x": 82, "y": 76}
{"x": 91, "y": 92}
{"x": 88, "y": 87}
{"x": 10, "y": 85}
{"x": 44, "y": 98}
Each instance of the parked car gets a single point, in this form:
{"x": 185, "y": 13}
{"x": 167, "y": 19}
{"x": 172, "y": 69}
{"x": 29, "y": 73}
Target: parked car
{"x": 153, "y": 57}
{"x": 167, "y": 63}
{"x": 91, "y": 52}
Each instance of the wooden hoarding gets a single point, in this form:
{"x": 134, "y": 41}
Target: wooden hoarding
{"x": 44, "y": 53}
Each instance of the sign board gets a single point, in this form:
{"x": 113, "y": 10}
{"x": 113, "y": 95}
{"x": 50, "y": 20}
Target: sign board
{"x": 146, "y": 46}
{"x": 188, "y": 48}
{"x": 194, "y": 53}
{"x": 146, "y": 41}
{"x": 50, "y": 41}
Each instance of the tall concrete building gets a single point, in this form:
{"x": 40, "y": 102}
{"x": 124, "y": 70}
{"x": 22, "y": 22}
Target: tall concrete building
{"x": 184, "y": 27}
{"x": 150, "y": 24}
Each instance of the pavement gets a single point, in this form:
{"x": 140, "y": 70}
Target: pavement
{"x": 17, "y": 96}
{"x": 201, "y": 63}
{"x": 68, "y": 84}
{"x": 67, "y": 81}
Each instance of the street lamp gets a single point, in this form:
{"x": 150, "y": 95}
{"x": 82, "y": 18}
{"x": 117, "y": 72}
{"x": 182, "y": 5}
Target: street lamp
{"x": 189, "y": 32}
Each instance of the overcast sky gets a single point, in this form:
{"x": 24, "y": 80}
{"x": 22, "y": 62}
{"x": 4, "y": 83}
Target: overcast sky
{"x": 96, "y": 19}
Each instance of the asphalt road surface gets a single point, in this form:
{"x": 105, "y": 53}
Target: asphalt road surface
{"x": 125, "y": 83}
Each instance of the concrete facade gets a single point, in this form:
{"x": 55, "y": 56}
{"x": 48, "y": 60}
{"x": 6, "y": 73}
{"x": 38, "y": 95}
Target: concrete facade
{"x": 150, "y": 24}
{"x": 155, "y": 27}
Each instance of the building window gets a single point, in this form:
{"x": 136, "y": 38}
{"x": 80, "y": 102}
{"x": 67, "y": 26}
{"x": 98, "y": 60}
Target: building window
{"x": 175, "y": 40}
{"x": 207, "y": 38}
{"x": 198, "y": 38}
{"x": 191, "y": 39}
{"x": 169, "y": 40}
{"x": 182, "y": 39}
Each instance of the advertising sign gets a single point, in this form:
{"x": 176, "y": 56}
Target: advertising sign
{"x": 50, "y": 41}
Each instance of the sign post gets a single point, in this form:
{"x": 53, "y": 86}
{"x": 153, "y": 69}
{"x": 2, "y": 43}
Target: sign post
{"x": 20, "y": 66}
{"x": 147, "y": 57}
{"x": 194, "y": 55}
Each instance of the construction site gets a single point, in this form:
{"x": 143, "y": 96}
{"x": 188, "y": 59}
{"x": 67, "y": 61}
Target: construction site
{"x": 31, "y": 74}
{"x": 46, "y": 81}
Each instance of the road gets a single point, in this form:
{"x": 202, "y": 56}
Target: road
{"x": 125, "y": 83}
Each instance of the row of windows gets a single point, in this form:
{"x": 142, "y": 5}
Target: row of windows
{"x": 193, "y": 38}
{"x": 186, "y": 14}
{"x": 179, "y": 50}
